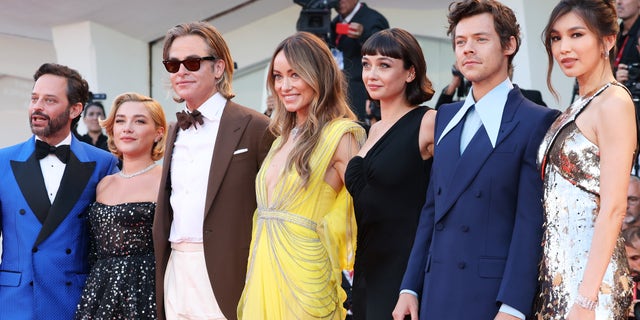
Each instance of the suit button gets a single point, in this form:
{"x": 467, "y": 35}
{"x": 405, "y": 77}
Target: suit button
{"x": 464, "y": 228}
{"x": 34, "y": 250}
{"x": 31, "y": 283}
{"x": 68, "y": 251}
{"x": 439, "y": 191}
{"x": 439, "y": 226}
{"x": 478, "y": 194}
{"x": 68, "y": 283}
{"x": 22, "y": 212}
{"x": 462, "y": 265}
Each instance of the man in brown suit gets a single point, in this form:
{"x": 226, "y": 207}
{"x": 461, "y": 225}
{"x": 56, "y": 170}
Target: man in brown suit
{"x": 202, "y": 227}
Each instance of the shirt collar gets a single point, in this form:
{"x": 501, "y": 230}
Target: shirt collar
{"x": 353, "y": 12}
{"x": 65, "y": 141}
{"x": 213, "y": 107}
{"x": 489, "y": 108}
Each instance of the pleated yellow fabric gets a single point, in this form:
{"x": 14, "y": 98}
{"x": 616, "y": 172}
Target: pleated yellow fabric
{"x": 302, "y": 240}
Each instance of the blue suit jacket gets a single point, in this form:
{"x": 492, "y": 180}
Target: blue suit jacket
{"x": 478, "y": 239}
{"x": 45, "y": 246}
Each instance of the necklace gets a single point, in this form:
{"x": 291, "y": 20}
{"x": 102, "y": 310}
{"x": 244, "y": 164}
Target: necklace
{"x": 137, "y": 173}
{"x": 294, "y": 132}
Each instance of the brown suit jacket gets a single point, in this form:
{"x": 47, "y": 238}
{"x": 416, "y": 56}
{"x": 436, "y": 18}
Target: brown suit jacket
{"x": 229, "y": 208}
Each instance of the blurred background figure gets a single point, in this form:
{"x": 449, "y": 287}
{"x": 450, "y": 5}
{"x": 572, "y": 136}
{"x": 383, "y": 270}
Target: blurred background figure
{"x": 92, "y": 115}
{"x": 631, "y": 238}
{"x": 632, "y": 218}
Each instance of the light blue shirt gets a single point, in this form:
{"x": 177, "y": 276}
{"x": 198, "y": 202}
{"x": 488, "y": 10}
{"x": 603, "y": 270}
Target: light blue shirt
{"x": 489, "y": 108}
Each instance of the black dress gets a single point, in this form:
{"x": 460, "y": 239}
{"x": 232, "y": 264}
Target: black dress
{"x": 121, "y": 284}
{"x": 388, "y": 187}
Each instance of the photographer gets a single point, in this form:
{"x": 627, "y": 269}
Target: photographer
{"x": 631, "y": 238}
{"x": 458, "y": 84}
{"x": 355, "y": 23}
{"x": 627, "y": 57}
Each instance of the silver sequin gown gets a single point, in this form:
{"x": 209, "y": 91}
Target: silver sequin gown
{"x": 571, "y": 165}
{"x": 121, "y": 284}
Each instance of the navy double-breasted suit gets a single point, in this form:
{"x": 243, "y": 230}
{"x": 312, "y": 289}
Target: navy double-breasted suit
{"x": 478, "y": 239}
{"x": 44, "y": 244}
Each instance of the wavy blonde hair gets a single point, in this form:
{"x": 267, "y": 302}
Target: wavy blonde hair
{"x": 157, "y": 116}
{"x": 310, "y": 57}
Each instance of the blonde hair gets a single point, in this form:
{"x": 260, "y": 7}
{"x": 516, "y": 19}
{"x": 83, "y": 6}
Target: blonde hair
{"x": 157, "y": 116}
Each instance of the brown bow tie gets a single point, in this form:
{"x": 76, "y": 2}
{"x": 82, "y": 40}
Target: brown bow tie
{"x": 186, "y": 119}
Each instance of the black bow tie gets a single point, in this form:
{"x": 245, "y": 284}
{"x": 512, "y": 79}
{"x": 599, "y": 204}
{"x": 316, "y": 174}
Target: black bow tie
{"x": 43, "y": 149}
{"x": 186, "y": 119}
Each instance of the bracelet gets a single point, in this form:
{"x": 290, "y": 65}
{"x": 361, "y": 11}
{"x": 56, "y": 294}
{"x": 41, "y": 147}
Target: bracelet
{"x": 586, "y": 303}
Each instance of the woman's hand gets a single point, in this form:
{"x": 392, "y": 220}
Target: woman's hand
{"x": 579, "y": 313}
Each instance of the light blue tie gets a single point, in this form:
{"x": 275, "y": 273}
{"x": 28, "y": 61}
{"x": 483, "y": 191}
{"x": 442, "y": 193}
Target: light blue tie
{"x": 472, "y": 123}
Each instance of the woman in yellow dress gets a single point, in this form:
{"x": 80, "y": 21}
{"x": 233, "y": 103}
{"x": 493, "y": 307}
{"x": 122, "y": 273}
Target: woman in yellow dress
{"x": 304, "y": 227}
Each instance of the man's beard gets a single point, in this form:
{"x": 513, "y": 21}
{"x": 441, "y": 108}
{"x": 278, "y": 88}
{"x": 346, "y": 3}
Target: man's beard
{"x": 54, "y": 126}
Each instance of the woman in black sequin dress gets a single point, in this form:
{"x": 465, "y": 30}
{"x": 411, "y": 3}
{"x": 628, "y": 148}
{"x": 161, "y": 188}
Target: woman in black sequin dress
{"x": 121, "y": 284}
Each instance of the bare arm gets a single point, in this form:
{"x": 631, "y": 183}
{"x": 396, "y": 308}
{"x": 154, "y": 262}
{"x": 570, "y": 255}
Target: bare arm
{"x": 612, "y": 122}
{"x": 426, "y": 135}
{"x": 347, "y": 148}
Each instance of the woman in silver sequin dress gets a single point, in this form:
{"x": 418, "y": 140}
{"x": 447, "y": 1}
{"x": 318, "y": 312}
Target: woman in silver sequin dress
{"x": 121, "y": 284}
{"x": 586, "y": 159}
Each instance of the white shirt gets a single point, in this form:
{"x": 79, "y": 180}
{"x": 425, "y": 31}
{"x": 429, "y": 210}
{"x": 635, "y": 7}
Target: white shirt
{"x": 489, "y": 108}
{"x": 190, "y": 165}
{"x": 53, "y": 170}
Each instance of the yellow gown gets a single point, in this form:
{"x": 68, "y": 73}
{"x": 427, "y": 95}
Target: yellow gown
{"x": 302, "y": 240}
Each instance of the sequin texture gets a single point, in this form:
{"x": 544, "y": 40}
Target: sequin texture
{"x": 121, "y": 284}
{"x": 571, "y": 165}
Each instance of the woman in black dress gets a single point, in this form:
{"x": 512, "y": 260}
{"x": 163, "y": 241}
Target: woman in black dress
{"x": 92, "y": 115}
{"x": 389, "y": 176}
{"x": 121, "y": 284}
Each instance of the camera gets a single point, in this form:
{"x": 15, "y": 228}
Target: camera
{"x": 633, "y": 83}
{"x": 315, "y": 16}
{"x": 96, "y": 96}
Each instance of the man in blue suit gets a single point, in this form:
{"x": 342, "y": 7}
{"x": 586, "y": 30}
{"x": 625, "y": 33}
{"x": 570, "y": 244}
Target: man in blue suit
{"x": 46, "y": 184}
{"x": 477, "y": 247}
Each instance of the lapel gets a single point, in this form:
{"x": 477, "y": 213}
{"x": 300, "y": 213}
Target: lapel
{"x": 31, "y": 182}
{"x": 232, "y": 125}
{"x": 172, "y": 135}
{"x": 74, "y": 181}
{"x": 474, "y": 157}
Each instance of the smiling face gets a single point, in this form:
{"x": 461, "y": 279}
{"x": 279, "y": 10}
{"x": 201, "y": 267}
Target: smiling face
{"x": 295, "y": 93}
{"x": 385, "y": 78}
{"x": 195, "y": 87}
{"x": 49, "y": 111}
{"x": 479, "y": 54}
{"x": 134, "y": 130}
{"x": 575, "y": 48}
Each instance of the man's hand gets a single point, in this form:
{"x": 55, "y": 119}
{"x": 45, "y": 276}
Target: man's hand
{"x": 355, "y": 30}
{"x": 407, "y": 305}
{"x": 622, "y": 74}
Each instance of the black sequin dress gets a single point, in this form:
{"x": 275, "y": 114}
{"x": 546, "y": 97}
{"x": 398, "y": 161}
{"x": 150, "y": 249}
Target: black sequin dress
{"x": 121, "y": 284}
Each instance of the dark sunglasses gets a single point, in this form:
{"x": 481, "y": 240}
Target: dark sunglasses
{"x": 192, "y": 64}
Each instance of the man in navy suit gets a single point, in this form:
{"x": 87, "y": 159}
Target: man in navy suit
{"x": 46, "y": 184}
{"x": 477, "y": 247}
